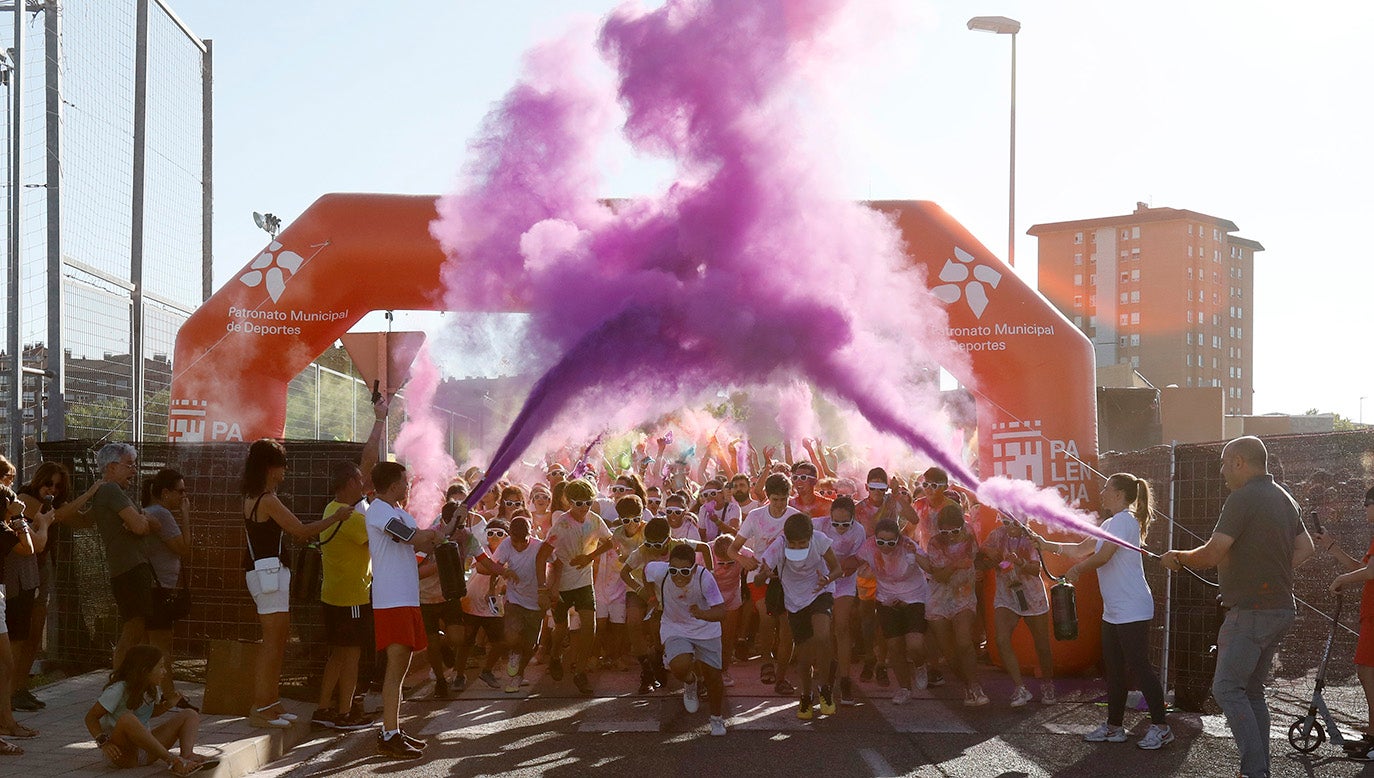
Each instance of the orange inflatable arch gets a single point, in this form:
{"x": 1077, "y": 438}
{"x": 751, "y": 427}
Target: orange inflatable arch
{"x": 1031, "y": 370}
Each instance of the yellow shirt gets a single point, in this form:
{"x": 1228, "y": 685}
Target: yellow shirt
{"x": 346, "y": 561}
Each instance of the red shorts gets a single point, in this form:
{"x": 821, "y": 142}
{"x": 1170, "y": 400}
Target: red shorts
{"x": 1364, "y": 647}
{"x": 400, "y": 626}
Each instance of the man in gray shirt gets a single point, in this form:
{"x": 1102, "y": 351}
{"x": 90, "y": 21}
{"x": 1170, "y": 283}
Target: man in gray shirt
{"x": 122, "y": 527}
{"x": 1258, "y": 543}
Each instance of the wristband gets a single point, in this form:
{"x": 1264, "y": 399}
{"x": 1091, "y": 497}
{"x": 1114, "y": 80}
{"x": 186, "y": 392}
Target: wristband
{"x": 101, "y": 740}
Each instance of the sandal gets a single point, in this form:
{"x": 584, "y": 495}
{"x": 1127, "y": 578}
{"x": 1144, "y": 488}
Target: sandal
{"x": 19, "y": 731}
{"x": 182, "y": 766}
{"x": 9, "y": 749}
{"x": 767, "y": 673}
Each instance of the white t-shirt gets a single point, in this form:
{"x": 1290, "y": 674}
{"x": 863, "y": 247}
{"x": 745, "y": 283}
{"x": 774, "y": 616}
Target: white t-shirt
{"x": 525, "y": 593}
{"x": 760, "y": 528}
{"x": 1125, "y": 594}
{"x": 395, "y": 574}
{"x": 900, "y": 579}
{"x": 572, "y": 539}
{"x": 800, "y": 580}
{"x": 689, "y": 529}
{"x": 845, "y": 545}
{"x": 676, "y": 602}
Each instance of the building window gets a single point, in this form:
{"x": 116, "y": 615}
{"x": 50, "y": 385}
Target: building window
{"x": 1078, "y": 320}
{"x": 1135, "y": 296}
{"x": 1077, "y": 279}
{"x": 1125, "y": 253}
{"x": 1188, "y": 381}
{"x": 1092, "y": 279}
{"x": 1078, "y": 237}
{"x": 1092, "y": 301}
{"x": 1190, "y": 337}
{"x": 1125, "y": 297}
{"x": 1190, "y": 270}
{"x": 1125, "y": 234}
{"x": 1135, "y": 252}
{"x": 1190, "y": 315}
{"x": 1190, "y": 295}
{"x": 1135, "y": 232}
{"x": 1135, "y": 275}
{"x": 1216, "y": 342}
{"x": 1135, "y": 318}
{"x": 1124, "y": 320}
{"x": 1135, "y": 340}
{"x": 1125, "y": 277}
{"x": 1135, "y": 362}
{"x": 1216, "y": 235}
{"x": 1078, "y": 301}
{"x": 1188, "y": 359}
{"x": 1190, "y": 251}
{"x": 1240, "y": 312}
{"x": 1238, "y": 373}
{"x": 1216, "y": 320}
{"x": 1078, "y": 259}
{"x": 1092, "y": 322}
{"x": 1123, "y": 341}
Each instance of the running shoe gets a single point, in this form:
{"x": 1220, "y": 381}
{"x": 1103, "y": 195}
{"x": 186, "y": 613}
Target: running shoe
{"x": 922, "y": 678}
{"x": 1021, "y": 697}
{"x": 1156, "y": 737}
{"x": 767, "y": 673}
{"x": 975, "y": 697}
{"x": 902, "y": 696}
{"x": 937, "y": 678}
{"x": 556, "y": 669}
{"x": 726, "y": 679}
{"x": 880, "y": 675}
{"x": 324, "y": 717}
{"x": 489, "y": 679}
{"x": 717, "y": 725}
{"x": 846, "y": 692}
{"x": 1106, "y": 733}
{"x": 580, "y": 681}
{"x": 414, "y": 741}
{"x": 784, "y": 689}
{"x": 804, "y": 711}
{"x": 827, "y": 701}
{"x": 441, "y": 691}
{"x": 351, "y": 723}
{"x": 396, "y": 747}
{"x": 513, "y": 685}
{"x": 513, "y": 665}
{"x": 691, "y": 700}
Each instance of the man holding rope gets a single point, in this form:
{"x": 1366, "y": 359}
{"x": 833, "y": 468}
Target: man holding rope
{"x": 1257, "y": 544}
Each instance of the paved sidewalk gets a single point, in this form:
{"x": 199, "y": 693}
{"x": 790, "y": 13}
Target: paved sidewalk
{"x": 64, "y": 747}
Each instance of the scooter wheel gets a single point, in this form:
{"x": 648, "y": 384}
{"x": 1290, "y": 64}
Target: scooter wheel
{"x": 1306, "y": 737}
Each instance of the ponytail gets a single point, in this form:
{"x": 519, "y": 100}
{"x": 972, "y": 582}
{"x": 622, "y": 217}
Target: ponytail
{"x": 1137, "y": 493}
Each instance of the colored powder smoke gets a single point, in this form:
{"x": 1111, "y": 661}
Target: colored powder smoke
{"x": 749, "y": 269}
{"x": 420, "y": 443}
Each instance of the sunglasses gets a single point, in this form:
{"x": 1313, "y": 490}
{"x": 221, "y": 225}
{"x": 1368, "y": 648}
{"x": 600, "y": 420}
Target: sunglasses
{"x": 656, "y": 502}
{"x": 1010, "y": 523}
{"x": 681, "y": 570}
{"x": 497, "y": 533}
{"x": 803, "y": 477}
{"x": 655, "y": 543}
{"x": 709, "y": 493}
{"x": 618, "y": 489}
{"x": 674, "y": 511}
{"x": 635, "y": 520}
{"x": 582, "y": 503}
{"x": 841, "y": 525}
{"x": 512, "y": 503}
{"x": 541, "y": 498}
{"x": 936, "y": 486}
{"x": 951, "y": 531}
{"x": 827, "y": 494}
{"x": 886, "y": 543}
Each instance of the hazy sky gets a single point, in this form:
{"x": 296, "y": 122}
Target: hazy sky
{"x": 1254, "y": 111}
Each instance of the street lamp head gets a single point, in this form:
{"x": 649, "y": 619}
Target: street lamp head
{"x": 996, "y": 24}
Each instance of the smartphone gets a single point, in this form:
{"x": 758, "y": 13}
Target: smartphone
{"x": 399, "y": 530}
{"x": 376, "y": 391}
{"x": 1316, "y": 522}
{"x": 47, "y": 503}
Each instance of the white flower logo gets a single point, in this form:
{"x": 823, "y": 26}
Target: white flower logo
{"x": 274, "y": 268}
{"x": 956, "y": 273}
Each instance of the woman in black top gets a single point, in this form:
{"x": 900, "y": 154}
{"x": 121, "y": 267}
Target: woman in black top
{"x": 14, "y": 537}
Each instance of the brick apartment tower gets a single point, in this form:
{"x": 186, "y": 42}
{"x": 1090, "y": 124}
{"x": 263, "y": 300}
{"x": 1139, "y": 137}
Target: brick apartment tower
{"x": 1168, "y": 291}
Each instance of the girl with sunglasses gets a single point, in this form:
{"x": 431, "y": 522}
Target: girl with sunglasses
{"x": 643, "y": 626}
{"x": 875, "y": 507}
{"x": 541, "y": 510}
{"x": 728, "y": 575}
{"x": 484, "y": 608}
{"x": 611, "y": 594}
{"x": 899, "y": 572}
{"x": 512, "y": 500}
{"x": 524, "y": 565}
{"x": 1020, "y": 596}
{"x": 953, "y": 603}
{"x": 692, "y": 608}
{"x": 846, "y": 538}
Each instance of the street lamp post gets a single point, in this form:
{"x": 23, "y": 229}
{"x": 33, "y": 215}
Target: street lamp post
{"x": 1001, "y": 25}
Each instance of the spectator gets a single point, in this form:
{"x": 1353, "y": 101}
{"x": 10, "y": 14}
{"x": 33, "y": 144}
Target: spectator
{"x": 119, "y": 721}
{"x": 47, "y": 500}
{"x": 168, "y": 546}
{"x": 7, "y": 472}
{"x": 122, "y": 527}
{"x": 266, "y": 573}
{"x": 14, "y": 538}
{"x": 1359, "y": 571}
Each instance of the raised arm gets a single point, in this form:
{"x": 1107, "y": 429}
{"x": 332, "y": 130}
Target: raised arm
{"x": 293, "y": 526}
{"x": 376, "y": 443}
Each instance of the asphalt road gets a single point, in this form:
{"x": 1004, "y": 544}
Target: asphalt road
{"x": 550, "y": 730}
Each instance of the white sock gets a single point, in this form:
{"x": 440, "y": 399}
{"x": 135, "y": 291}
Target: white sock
{"x": 389, "y": 733}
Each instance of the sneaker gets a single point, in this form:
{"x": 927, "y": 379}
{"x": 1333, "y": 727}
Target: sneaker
{"x": 580, "y": 681}
{"x": 460, "y": 683}
{"x": 1021, "y": 697}
{"x": 556, "y": 669}
{"x": 513, "y": 665}
{"x": 880, "y": 675}
{"x": 1047, "y": 694}
{"x": 726, "y": 679}
{"x": 513, "y": 685}
{"x": 784, "y": 689}
{"x": 902, "y": 696}
{"x": 487, "y": 678}
{"x": 267, "y": 721}
{"x": 1364, "y": 753}
{"x": 804, "y": 709}
{"x": 974, "y": 697}
{"x": 718, "y": 725}
{"x": 922, "y": 678}
{"x": 660, "y": 671}
{"x": 325, "y": 718}
{"x": 1156, "y": 737}
{"x": 414, "y": 741}
{"x": 1106, "y": 733}
{"x": 846, "y": 692}
{"x": 827, "y": 701}
{"x": 441, "y": 691}
{"x": 866, "y": 674}
{"x": 351, "y": 723}
{"x": 396, "y": 747}
{"x": 29, "y": 701}
{"x": 691, "y": 700}
{"x": 937, "y": 678}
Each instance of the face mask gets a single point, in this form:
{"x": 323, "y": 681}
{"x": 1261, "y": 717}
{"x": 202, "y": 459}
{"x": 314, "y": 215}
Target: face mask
{"x": 797, "y": 554}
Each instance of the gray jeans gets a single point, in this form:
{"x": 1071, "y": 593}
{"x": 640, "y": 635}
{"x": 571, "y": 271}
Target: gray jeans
{"x": 1245, "y": 651}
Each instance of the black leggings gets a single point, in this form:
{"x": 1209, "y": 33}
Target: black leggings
{"x": 1127, "y": 647}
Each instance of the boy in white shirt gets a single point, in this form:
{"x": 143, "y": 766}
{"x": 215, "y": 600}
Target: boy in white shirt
{"x": 690, "y": 627}
{"x": 807, "y": 566}
{"x": 578, "y": 537}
